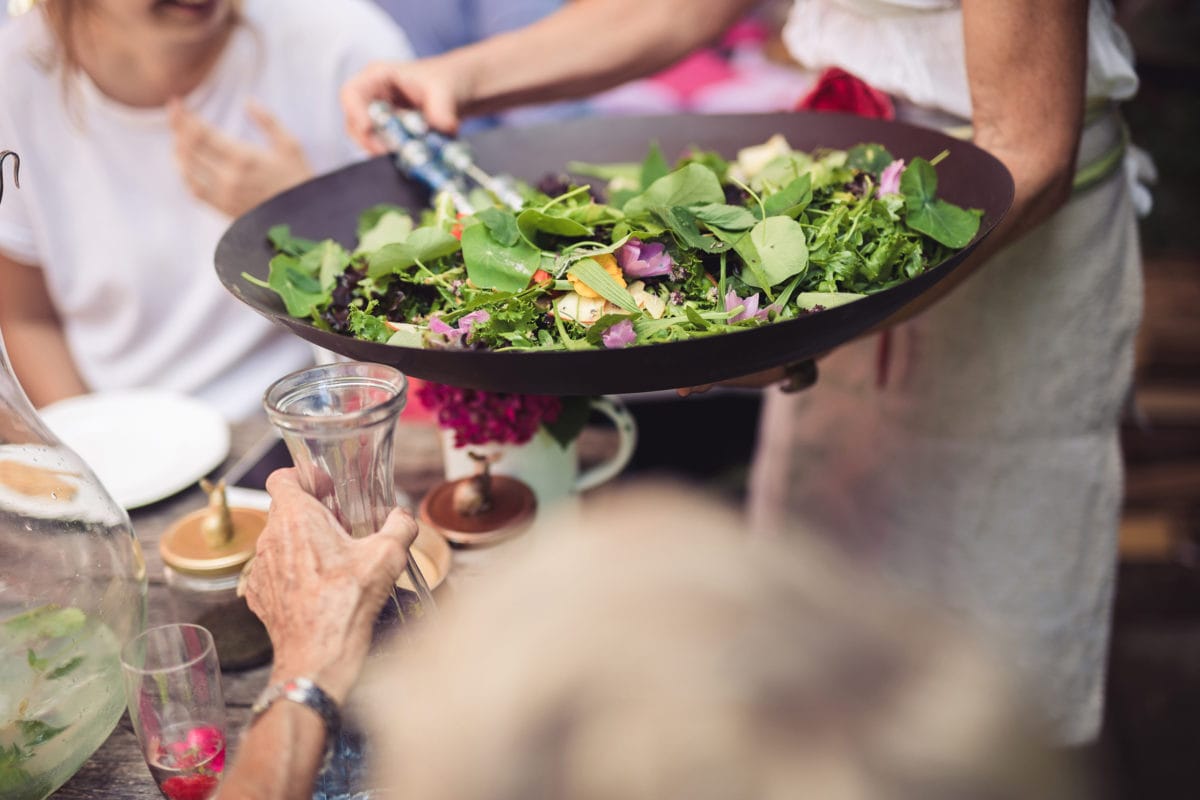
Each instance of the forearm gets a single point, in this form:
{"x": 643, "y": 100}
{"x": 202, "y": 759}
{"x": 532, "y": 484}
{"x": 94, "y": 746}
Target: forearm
{"x": 34, "y": 338}
{"x": 587, "y": 46}
{"x": 279, "y": 756}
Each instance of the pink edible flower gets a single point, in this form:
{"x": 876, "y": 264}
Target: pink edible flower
{"x": 456, "y": 334}
{"x": 749, "y": 306}
{"x": 619, "y": 335}
{"x": 468, "y": 321}
{"x": 644, "y": 259}
{"x": 889, "y": 179}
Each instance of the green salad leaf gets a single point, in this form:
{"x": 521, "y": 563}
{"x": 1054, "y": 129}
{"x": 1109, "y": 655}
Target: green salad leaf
{"x": 941, "y": 221}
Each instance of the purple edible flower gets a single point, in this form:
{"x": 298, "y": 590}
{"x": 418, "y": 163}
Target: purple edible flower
{"x": 889, "y": 179}
{"x": 467, "y": 322}
{"x": 441, "y": 328}
{"x": 619, "y": 335}
{"x": 455, "y": 334}
{"x": 749, "y": 306}
{"x": 644, "y": 259}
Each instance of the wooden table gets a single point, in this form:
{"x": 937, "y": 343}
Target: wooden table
{"x": 117, "y": 770}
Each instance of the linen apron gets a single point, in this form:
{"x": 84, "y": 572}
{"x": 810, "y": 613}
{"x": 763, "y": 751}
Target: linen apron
{"x": 976, "y": 458}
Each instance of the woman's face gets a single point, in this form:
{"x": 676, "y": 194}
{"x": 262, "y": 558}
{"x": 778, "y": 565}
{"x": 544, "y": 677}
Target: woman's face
{"x": 164, "y": 22}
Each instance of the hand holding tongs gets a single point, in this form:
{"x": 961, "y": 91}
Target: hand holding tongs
{"x": 442, "y": 163}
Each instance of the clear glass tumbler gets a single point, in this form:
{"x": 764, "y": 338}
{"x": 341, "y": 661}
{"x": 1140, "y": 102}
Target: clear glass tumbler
{"x": 173, "y": 688}
{"x": 339, "y": 422}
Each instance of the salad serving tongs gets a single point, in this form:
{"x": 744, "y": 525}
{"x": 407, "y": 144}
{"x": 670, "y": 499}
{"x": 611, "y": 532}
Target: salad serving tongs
{"x": 442, "y": 163}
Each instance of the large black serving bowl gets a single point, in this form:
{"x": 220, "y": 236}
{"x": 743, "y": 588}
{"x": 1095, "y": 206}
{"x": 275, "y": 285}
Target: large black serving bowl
{"x": 328, "y": 207}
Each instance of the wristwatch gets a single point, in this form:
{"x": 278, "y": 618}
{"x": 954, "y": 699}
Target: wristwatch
{"x": 305, "y": 692}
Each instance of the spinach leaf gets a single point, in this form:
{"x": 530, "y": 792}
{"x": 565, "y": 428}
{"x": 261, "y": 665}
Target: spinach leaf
{"x": 301, "y": 292}
{"x": 426, "y": 244}
{"x": 682, "y": 222}
{"x": 654, "y": 166}
{"x": 779, "y": 249}
{"x": 325, "y": 262}
{"x": 691, "y": 185}
{"x": 531, "y": 222}
{"x": 501, "y": 224}
{"x": 731, "y": 218}
{"x": 491, "y": 265}
{"x": 943, "y": 222}
{"x": 791, "y": 199}
{"x": 869, "y": 157}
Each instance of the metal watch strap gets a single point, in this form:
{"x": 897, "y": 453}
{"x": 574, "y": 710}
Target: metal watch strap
{"x": 305, "y": 692}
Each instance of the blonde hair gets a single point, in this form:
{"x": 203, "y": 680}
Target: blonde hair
{"x": 656, "y": 653}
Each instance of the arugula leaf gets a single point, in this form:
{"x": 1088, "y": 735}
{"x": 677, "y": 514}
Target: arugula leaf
{"x": 654, "y": 167}
{"x": 301, "y": 292}
{"x": 780, "y": 251}
{"x": 731, "y": 218}
{"x": 501, "y": 224}
{"x": 280, "y": 237}
{"x": 392, "y": 225}
{"x": 531, "y": 222}
{"x": 491, "y": 265}
{"x": 595, "y": 276}
{"x": 427, "y": 243}
{"x": 869, "y": 157}
{"x": 691, "y": 185}
{"x": 791, "y": 199}
{"x": 943, "y": 222}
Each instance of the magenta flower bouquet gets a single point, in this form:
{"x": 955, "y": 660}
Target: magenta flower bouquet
{"x": 494, "y": 417}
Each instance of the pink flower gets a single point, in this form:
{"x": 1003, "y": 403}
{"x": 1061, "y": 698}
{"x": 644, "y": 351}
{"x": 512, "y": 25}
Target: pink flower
{"x": 749, "y": 306}
{"x": 889, "y": 179}
{"x": 619, "y": 335}
{"x": 457, "y": 334}
{"x": 481, "y": 417}
{"x": 644, "y": 259}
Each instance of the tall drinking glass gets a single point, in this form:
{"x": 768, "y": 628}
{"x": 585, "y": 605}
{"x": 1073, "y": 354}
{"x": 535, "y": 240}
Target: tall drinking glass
{"x": 339, "y": 423}
{"x": 173, "y": 688}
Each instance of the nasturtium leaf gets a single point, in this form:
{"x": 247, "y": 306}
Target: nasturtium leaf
{"x": 722, "y": 215}
{"x": 941, "y": 221}
{"x": 597, "y": 278}
{"x": 654, "y": 166}
{"x": 501, "y": 224}
{"x": 791, "y": 199}
{"x": 531, "y": 222}
{"x": 690, "y": 185}
{"x": 869, "y": 157}
{"x": 425, "y": 244}
{"x": 780, "y": 250}
{"x": 491, "y": 265}
{"x": 391, "y": 226}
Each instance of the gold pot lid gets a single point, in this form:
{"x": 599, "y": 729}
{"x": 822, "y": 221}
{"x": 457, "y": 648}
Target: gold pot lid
{"x": 186, "y": 547}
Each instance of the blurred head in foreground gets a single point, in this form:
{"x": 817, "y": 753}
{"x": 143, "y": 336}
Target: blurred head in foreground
{"x": 657, "y": 653}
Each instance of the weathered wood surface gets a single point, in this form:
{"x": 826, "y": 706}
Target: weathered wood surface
{"x": 117, "y": 770}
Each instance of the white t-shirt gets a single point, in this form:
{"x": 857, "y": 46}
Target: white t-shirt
{"x": 914, "y": 48}
{"x": 126, "y": 249}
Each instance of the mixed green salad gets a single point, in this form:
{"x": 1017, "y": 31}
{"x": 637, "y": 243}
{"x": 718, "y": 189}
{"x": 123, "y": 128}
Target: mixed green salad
{"x": 644, "y": 253}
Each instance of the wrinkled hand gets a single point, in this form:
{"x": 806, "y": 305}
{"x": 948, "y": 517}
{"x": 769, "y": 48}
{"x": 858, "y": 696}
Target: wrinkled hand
{"x": 318, "y": 591}
{"x": 433, "y": 86}
{"x": 230, "y": 175}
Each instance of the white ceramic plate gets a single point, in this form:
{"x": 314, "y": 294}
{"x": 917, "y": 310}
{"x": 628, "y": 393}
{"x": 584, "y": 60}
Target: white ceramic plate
{"x": 143, "y": 444}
